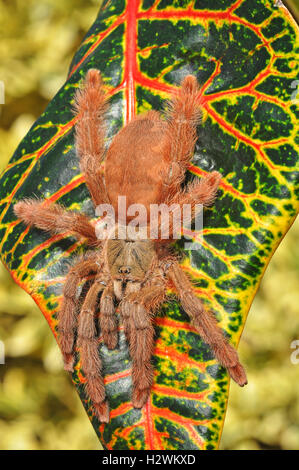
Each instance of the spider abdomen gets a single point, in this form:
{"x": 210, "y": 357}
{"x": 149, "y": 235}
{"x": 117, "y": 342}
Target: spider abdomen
{"x": 134, "y": 166}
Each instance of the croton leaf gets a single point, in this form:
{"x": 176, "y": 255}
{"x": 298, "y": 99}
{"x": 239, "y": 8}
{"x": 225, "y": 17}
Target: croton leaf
{"x": 243, "y": 52}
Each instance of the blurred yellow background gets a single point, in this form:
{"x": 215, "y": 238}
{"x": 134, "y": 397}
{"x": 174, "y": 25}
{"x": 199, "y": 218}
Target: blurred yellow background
{"x": 39, "y": 407}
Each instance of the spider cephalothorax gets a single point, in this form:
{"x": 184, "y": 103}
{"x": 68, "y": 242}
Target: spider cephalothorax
{"x": 146, "y": 162}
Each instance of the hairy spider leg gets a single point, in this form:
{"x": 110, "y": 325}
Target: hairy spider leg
{"x": 89, "y": 352}
{"x": 55, "y": 219}
{"x": 90, "y": 107}
{"x": 67, "y": 315}
{"x": 206, "y": 324}
{"x": 182, "y": 116}
{"x": 137, "y": 311}
{"x": 107, "y": 318}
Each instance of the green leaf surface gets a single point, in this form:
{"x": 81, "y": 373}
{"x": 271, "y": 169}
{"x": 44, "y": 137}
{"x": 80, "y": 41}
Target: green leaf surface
{"x": 245, "y": 55}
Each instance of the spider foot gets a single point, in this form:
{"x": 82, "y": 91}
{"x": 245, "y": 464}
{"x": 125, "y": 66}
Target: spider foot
{"x": 140, "y": 397}
{"x": 110, "y": 339}
{"x": 102, "y": 410}
{"x": 68, "y": 362}
{"x": 213, "y": 180}
{"x": 238, "y": 374}
{"x": 189, "y": 84}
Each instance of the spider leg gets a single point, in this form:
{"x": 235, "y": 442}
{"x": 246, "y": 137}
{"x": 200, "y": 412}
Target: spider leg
{"x": 107, "y": 318}
{"x": 90, "y": 107}
{"x": 89, "y": 349}
{"x": 126, "y": 312}
{"x": 141, "y": 349}
{"x": 201, "y": 191}
{"x": 183, "y": 115}
{"x": 206, "y": 325}
{"x": 67, "y": 314}
{"x": 137, "y": 313}
{"x": 55, "y": 219}
{"x": 150, "y": 296}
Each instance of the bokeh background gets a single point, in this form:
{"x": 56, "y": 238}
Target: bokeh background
{"x": 39, "y": 408}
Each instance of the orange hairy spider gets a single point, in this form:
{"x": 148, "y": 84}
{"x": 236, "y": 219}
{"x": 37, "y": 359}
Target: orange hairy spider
{"x": 146, "y": 162}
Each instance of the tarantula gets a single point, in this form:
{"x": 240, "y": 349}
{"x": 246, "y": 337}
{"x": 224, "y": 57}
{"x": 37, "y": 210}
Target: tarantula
{"x": 146, "y": 162}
